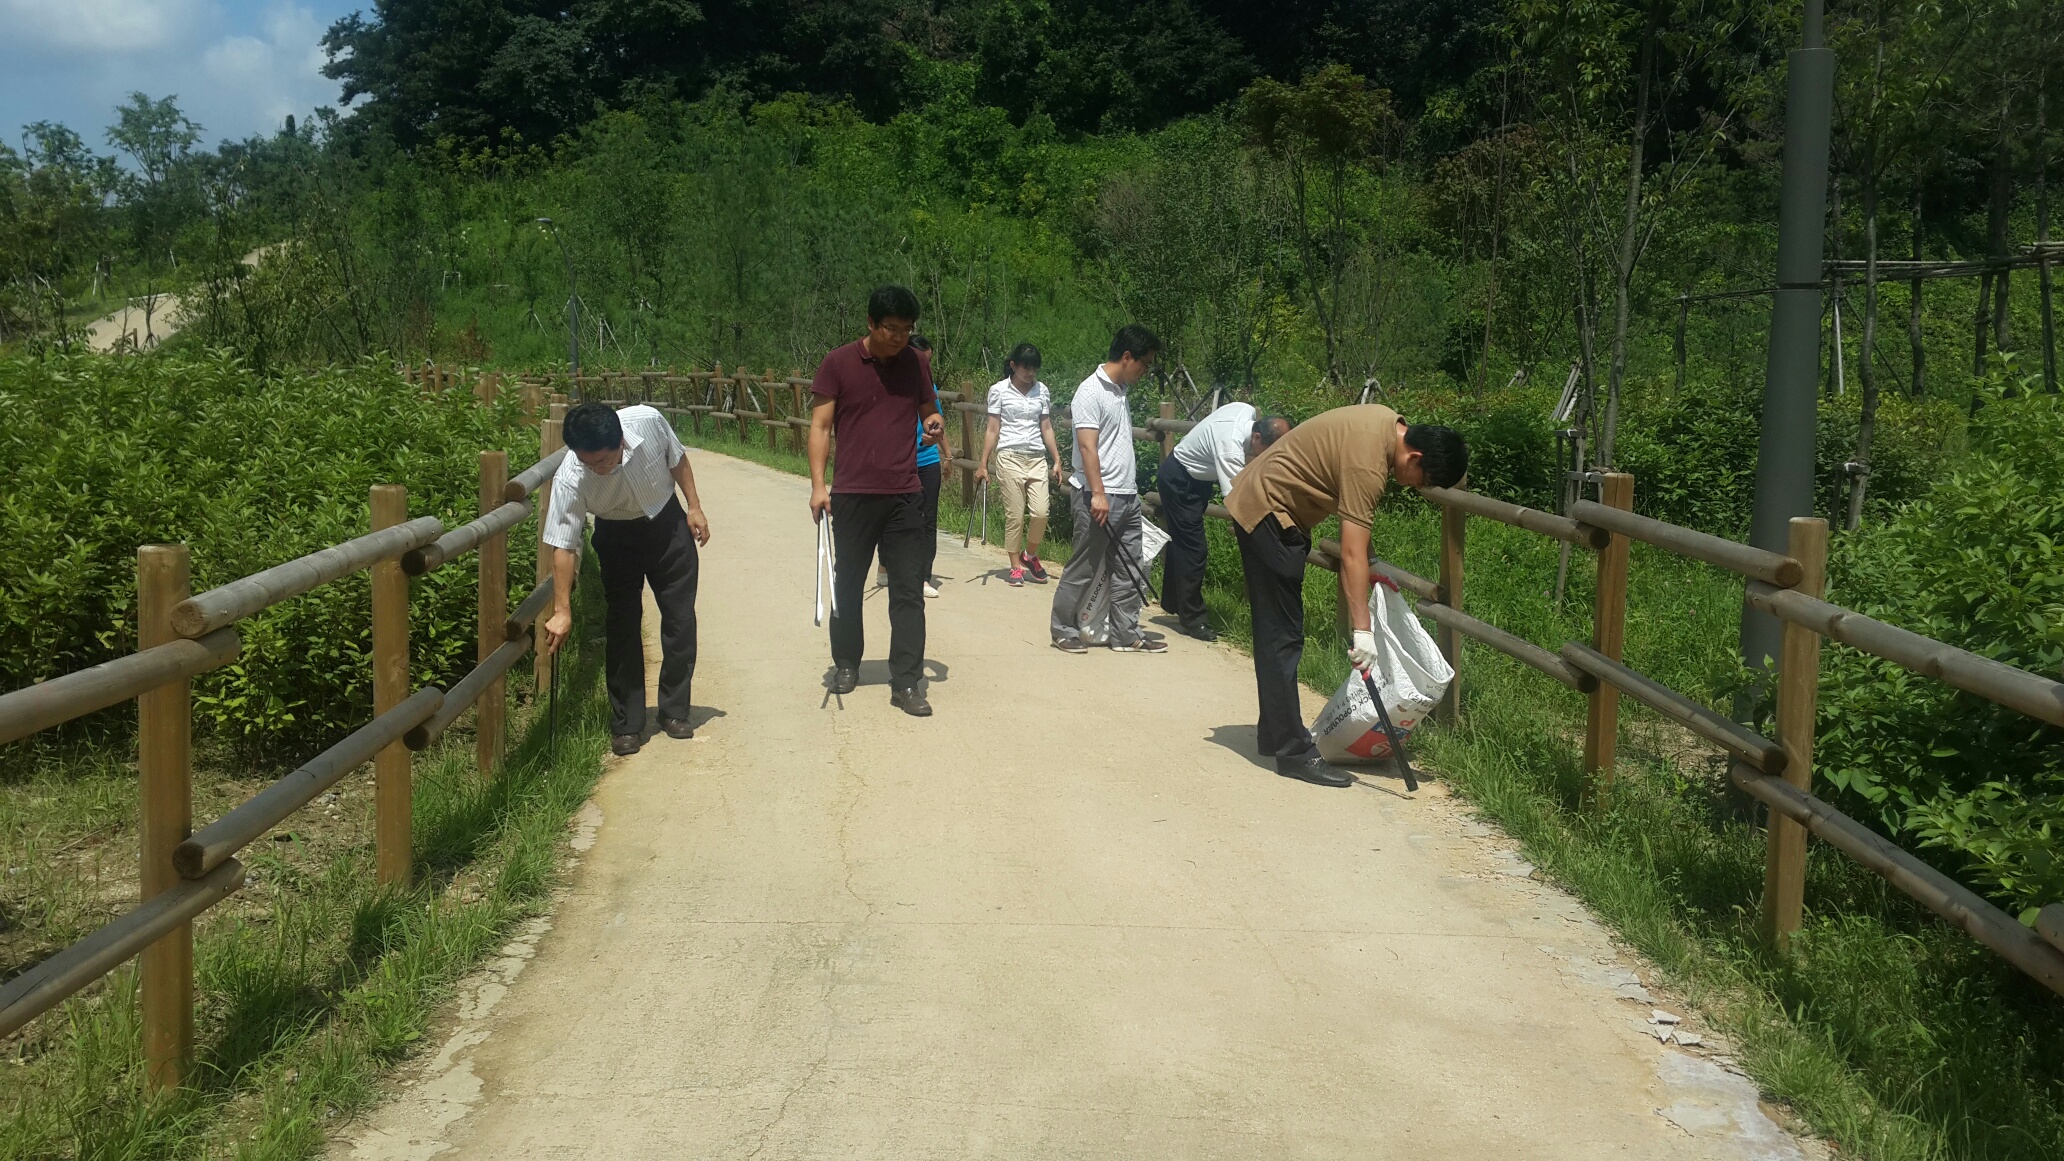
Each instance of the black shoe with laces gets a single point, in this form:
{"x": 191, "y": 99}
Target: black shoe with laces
{"x": 624, "y": 745}
{"x": 1200, "y": 631}
{"x": 844, "y": 679}
{"x": 677, "y": 728}
{"x": 1313, "y": 769}
{"x": 911, "y": 701}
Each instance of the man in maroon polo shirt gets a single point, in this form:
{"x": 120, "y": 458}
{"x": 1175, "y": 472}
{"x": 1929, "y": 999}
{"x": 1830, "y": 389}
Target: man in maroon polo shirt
{"x": 870, "y": 394}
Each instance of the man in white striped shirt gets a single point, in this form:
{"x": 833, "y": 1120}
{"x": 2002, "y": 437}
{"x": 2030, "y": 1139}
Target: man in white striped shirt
{"x": 623, "y": 469}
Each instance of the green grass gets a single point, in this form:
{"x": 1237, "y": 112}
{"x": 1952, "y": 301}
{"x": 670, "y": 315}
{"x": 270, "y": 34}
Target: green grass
{"x": 1886, "y": 1031}
{"x": 313, "y": 981}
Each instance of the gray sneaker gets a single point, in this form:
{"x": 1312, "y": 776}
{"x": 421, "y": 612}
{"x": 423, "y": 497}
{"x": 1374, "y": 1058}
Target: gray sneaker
{"x": 1140, "y": 645}
{"x": 1071, "y": 645}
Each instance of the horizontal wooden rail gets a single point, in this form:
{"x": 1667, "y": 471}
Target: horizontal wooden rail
{"x": 519, "y": 621}
{"x": 1172, "y": 426}
{"x": 1754, "y": 563}
{"x": 2049, "y": 923}
{"x": 51, "y": 982}
{"x": 213, "y": 844}
{"x": 1546, "y": 523}
{"x": 60, "y": 699}
{"x": 1518, "y": 648}
{"x": 1934, "y": 890}
{"x": 464, "y": 539}
{"x": 1742, "y": 743}
{"x": 467, "y": 691}
{"x": 530, "y": 478}
{"x": 206, "y": 612}
{"x": 2017, "y": 689}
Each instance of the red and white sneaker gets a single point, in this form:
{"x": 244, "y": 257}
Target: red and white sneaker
{"x": 1034, "y": 571}
{"x": 1016, "y": 579}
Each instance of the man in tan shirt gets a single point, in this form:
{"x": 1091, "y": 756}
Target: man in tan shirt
{"x": 1335, "y": 464}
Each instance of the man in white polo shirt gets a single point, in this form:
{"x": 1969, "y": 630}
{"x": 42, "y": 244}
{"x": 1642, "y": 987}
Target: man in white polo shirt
{"x": 1212, "y": 453}
{"x": 622, "y": 470}
{"x": 1106, "y": 502}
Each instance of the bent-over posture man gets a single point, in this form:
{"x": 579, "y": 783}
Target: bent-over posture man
{"x": 1212, "y": 453}
{"x": 872, "y": 393}
{"x": 1335, "y": 464}
{"x": 623, "y": 470}
{"x": 1106, "y": 502}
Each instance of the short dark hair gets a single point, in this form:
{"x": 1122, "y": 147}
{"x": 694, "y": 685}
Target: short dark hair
{"x": 920, "y": 342}
{"x": 1443, "y": 454}
{"x": 891, "y": 302}
{"x": 1270, "y": 428}
{"x": 1024, "y": 355}
{"x": 592, "y": 427}
{"x": 1135, "y": 340}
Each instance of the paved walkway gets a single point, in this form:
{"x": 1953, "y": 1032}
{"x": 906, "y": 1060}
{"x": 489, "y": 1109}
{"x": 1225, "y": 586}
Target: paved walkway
{"x": 1070, "y": 916}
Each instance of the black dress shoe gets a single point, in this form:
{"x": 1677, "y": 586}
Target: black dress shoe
{"x": 911, "y": 701}
{"x": 624, "y": 745}
{"x": 677, "y": 728}
{"x": 1313, "y": 769}
{"x": 1200, "y": 631}
{"x": 845, "y": 679}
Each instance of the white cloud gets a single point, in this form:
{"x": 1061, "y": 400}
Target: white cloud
{"x": 99, "y": 26}
{"x": 269, "y": 77}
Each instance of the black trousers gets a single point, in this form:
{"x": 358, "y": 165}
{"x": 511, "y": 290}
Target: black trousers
{"x": 1183, "y": 500}
{"x": 928, "y": 479}
{"x": 632, "y": 553}
{"x": 894, "y": 527}
{"x": 1272, "y": 557}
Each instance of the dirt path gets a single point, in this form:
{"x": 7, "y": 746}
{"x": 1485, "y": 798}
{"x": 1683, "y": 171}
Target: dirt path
{"x": 1071, "y": 916}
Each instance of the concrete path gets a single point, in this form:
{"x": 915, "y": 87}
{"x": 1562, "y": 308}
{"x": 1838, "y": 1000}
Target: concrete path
{"x": 1070, "y": 916}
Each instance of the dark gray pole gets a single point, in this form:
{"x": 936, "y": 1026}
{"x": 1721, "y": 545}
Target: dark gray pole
{"x": 1784, "y": 454}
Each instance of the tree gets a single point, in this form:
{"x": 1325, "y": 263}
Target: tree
{"x": 162, "y": 197}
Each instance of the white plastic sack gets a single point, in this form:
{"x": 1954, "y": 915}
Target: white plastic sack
{"x": 1410, "y": 673}
{"x": 1153, "y": 538}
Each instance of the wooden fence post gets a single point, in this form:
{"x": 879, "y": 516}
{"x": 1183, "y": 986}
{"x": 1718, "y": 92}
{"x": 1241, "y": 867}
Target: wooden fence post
{"x": 549, "y": 441}
{"x": 798, "y": 410}
{"x": 164, "y": 762}
{"x": 392, "y": 791}
{"x": 969, "y": 448}
{"x": 1454, "y": 526}
{"x": 491, "y": 717}
{"x": 1798, "y": 692}
{"x": 1608, "y": 636}
{"x": 1167, "y": 437}
{"x": 487, "y": 387}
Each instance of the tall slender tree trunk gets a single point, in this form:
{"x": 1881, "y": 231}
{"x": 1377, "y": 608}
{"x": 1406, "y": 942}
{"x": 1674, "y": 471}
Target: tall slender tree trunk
{"x": 1630, "y": 240}
{"x": 1831, "y": 383}
{"x": 1996, "y": 208}
{"x": 2042, "y": 205}
{"x": 1913, "y": 303}
{"x": 1497, "y": 221}
{"x": 1866, "y": 370}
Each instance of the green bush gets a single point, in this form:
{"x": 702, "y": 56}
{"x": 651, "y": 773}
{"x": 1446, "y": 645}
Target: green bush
{"x": 102, "y": 454}
{"x": 1979, "y": 563}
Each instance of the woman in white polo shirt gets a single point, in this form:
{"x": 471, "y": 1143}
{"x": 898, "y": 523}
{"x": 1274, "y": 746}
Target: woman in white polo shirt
{"x": 1021, "y": 443}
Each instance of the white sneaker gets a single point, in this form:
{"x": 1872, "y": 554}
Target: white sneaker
{"x": 929, "y": 590}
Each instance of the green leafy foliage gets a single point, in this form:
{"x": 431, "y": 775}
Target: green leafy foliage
{"x": 1978, "y": 563}
{"x": 104, "y": 454}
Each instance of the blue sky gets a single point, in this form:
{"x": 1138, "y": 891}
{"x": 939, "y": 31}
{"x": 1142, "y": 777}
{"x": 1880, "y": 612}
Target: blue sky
{"x": 238, "y": 66}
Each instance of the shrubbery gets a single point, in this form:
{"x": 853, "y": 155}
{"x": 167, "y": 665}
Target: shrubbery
{"x": 103, "y": 454}
{"x": 1979, "y": 563}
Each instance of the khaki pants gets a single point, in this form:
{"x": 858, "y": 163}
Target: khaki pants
{"x": 1022, "y": 476}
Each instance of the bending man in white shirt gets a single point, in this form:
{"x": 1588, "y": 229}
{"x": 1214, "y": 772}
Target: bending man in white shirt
{"x": 622, "y": 469}
{"x": 1212, "y": 453}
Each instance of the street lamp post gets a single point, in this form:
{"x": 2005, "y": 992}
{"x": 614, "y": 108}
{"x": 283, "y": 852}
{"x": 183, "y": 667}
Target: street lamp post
{"x": 572, "y": 299}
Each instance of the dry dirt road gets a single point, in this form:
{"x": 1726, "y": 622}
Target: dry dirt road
{"x": 1070, "y": 916}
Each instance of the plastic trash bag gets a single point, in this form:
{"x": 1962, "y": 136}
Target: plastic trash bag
{"x": 1410, "y": 673}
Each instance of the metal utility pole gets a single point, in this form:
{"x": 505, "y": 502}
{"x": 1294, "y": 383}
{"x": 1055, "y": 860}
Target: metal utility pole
{"x": 572, "y": 300}
{"x": 1784, "y": 454}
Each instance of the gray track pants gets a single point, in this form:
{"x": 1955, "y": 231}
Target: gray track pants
{"x": 1091, "y": 560}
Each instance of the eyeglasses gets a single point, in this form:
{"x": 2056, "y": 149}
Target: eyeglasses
{"x": 900, "y": 330}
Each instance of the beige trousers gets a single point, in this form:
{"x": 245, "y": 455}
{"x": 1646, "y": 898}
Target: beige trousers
{"x": 1022, "y": 477}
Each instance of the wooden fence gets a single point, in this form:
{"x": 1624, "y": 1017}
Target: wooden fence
{"x": 181, "y": 633}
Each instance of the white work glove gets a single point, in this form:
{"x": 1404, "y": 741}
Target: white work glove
{"x": 1361, "y": 653}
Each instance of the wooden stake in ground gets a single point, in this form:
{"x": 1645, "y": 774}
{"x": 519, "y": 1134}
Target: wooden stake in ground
{"x": 1608, "y": 635}
{"x": 164, "y": 761}
{"x": 492, "y": 713}
{"x": 393, "y": 793}
{"x": 1798, "y": 691}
